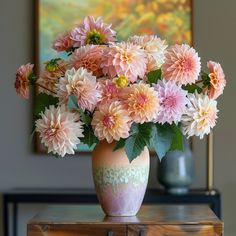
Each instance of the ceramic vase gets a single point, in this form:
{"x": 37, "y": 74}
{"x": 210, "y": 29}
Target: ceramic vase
{"x": 120, "y": 185}
{"x": 176, "y": 170}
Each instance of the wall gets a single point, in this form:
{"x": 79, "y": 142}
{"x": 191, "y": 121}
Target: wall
{"x": 214, "y": 37}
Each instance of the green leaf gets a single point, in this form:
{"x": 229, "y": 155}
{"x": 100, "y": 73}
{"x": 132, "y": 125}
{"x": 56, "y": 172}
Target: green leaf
{"x": 86, "y": 119}
{"x": 161, "y": 141}
{"x": 43, "y": 101}
{"x": 52, "y": 64}
{"x": 89, "y": 138}
{"x": 177, "y": 142}
{"x": 191, "y": 88}
{"x": 154, "y": 76}
{"x": 119, "y": 144}
{"x": 72, "y": 102}
{"x": 139, "y": 138}
{"x": 32, "y": 79}
{"x": 206, "y": 81}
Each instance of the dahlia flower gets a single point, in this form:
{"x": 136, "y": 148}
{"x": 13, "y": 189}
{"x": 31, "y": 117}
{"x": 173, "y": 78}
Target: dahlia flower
{"x": 80, "y": 83}
{"x": 217, "y": 80}
{"x": 63, "y": 42}
{"x": 121, "y": 81}
{"x": 154, "y": 47}
{"x": 22, "y": 80}
{"x": 182, "y": 64}
{"x": 111, "y": 122}
{"x": 172, "y": 99}
{"x": 92, "y": 32}
{"x": 142, "y": 102}
{"x": 59, "y": 130}
{"x": 50, "y": 76}
{"x": 200, "y": 115}
{"x": 109, "y": 90}
{"x": 125, "y": 59}
{"x": 89, "y": 57}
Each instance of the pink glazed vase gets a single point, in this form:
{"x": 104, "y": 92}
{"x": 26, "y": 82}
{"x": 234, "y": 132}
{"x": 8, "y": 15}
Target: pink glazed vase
{"x": 120, "y": 185}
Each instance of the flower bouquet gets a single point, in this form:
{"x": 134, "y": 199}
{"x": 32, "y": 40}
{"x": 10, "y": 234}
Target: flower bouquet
{"x": 127, "y": 95}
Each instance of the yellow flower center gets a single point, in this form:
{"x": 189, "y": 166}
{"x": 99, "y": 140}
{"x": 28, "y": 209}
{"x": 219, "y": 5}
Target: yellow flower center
{"x": 121, "y": 81}
{"x": 94, "y": 37}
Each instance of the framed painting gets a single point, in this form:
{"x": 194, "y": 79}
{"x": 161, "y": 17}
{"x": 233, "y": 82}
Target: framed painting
{"x": 169, "y": 19}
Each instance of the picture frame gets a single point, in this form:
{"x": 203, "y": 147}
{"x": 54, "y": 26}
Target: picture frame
{"x": 173, "y": 20}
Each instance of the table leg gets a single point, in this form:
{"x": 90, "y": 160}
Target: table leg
{"x": 14, "y": 218}
{"x": 5, "y": 217}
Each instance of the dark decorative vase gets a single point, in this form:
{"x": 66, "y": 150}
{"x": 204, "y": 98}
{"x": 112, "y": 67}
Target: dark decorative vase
{"x": 176, "y": 170}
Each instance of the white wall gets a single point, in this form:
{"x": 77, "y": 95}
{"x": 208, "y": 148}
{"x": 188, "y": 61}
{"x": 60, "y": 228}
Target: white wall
{"x": 214, "y": 37}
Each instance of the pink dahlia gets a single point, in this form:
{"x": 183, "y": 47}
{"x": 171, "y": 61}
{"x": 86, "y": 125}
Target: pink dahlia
{"x": 217, "y": 80}
{"x": 63, "y": 42}
{"x": 92, "y": 32}
{"x": 82, "y": 84}
{"x": 182, "y": 64}
{"x": 142, "y": 102}
{"x": 172, "y": 100}
{"x": 109, "y": 90}
{"x": 200, "y": 116}
{"x": 111, "y": 122}
{"x": 124, "y": 59}
{"x": 22, "y": 80}
{"x": 89, "y": 57}
{"x": 59, "y": 130}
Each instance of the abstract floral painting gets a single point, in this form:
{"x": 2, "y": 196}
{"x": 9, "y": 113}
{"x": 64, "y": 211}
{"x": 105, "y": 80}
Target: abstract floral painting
{"x": 169, "y": 19}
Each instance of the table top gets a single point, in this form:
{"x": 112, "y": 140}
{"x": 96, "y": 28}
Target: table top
{"x": 75, "y": 191}
{"x": 148, "y": 214}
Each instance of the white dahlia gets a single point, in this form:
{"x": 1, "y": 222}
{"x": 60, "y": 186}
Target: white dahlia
{"x": 154, "y": 47}
{"x": 200, "y": 115}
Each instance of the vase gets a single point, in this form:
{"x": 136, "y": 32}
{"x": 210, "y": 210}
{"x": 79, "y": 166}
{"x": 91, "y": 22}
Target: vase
{"x": 120, "y": 185}
{"x": 176, "y": 170}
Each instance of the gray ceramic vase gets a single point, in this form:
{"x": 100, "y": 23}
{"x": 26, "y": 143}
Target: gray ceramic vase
{"x": 176, "y": 170}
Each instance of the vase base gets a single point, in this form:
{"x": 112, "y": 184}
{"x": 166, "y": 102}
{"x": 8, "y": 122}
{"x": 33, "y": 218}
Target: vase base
{"x": 177, "y": 190}
{"x": 121, "y": 215}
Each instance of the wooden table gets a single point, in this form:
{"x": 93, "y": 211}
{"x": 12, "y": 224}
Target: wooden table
{"x": 152, "y": 220}
{"x": 13, "y": 198}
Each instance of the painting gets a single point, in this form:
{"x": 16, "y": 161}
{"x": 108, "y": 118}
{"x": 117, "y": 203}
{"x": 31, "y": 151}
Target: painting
{"x": 169, "y": 19}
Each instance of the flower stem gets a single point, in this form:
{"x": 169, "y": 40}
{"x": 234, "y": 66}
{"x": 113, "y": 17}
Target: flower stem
{"x": 42, "y": 86}
{"x": 199, "y": 81}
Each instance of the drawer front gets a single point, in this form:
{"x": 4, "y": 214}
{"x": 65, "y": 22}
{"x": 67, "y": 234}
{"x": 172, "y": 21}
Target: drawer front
{"x": 76, "y": 230}
{"x": 175, "y": 230}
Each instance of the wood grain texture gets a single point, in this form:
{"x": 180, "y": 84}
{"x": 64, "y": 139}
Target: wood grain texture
{"x": 152, "y": 220}
{"x": 175, "y": 230}
{"x": 75, "y": 230}
{"x": 148, "y": 214}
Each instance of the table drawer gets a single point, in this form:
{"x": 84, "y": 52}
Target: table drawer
{"x": 76, "y": 230}
{"x": 174, "y": 230}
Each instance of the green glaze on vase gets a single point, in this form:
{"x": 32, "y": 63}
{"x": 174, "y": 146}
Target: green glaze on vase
{"x": 176, "y": 170}
{"x": 120, "y": 185}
